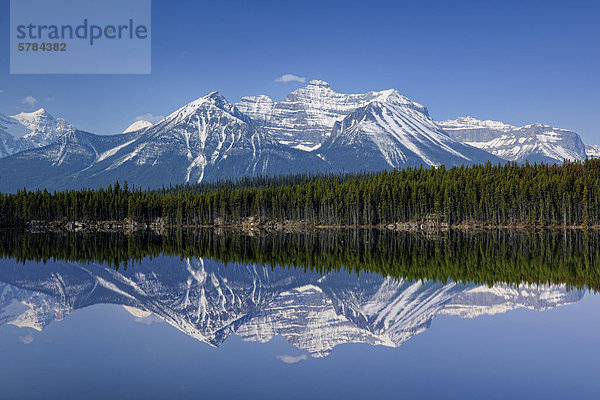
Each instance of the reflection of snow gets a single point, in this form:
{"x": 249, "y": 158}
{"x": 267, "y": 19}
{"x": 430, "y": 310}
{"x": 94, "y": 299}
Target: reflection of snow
{"x": 142, "y": 317}
{"x": 209, "y": 302}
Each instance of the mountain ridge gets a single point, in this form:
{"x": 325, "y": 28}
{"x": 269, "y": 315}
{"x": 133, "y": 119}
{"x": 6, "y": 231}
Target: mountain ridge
{"x": 312, "y": 130}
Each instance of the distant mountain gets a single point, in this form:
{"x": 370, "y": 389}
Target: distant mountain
{"x": 391, "y": 132}
{"x": 206, "y": 139}
{"x": 64, "y": 164}
{"x": 592, "y": 151}
{"x": 210, "y": 301}
{"x": 533, "y": 143}
{"x": 138, "y": 125}
{"x": 44, "y": 128}
{"x": 26, "y": 131}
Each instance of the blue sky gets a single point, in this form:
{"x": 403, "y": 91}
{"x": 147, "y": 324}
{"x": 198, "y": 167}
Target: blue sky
{"x": 514, "y": 61}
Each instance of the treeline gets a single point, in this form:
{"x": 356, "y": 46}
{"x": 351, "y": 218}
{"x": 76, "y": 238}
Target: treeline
{"x": 259, "y": 181}
{"x": 502, "y": 195}
{"x": 570, "y": 257}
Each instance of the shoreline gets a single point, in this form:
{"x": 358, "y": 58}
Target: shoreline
{"x": 161, "y": 227}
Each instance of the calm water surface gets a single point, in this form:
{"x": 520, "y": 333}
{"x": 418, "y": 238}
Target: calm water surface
{"x": 177, "y": 326}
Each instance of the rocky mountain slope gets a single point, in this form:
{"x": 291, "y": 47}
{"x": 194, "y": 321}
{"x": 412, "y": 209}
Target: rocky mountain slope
{"x": 389, "y": 133}
{"x": 533, "y": 143}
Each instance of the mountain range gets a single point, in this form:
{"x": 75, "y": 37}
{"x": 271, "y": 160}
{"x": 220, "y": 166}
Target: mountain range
{"x": 210, "y": 301}
{"x": 313, "y": 129}
{"x": 533, "y": 143}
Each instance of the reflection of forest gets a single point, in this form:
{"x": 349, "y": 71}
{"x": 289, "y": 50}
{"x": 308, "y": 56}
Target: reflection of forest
{"x": 570, "y": 257}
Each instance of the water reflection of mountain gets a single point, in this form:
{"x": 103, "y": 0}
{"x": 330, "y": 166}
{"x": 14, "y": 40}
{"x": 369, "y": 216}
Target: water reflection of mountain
{"x": 210, "y": 301}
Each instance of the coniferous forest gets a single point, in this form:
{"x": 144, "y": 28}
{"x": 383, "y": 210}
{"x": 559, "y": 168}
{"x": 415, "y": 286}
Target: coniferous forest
{"x": 493, "y": 195}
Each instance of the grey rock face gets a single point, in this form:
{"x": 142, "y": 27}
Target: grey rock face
{"x": 533, "y": 143}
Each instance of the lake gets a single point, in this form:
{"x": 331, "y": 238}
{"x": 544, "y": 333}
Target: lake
{"x": 342, "y": 313}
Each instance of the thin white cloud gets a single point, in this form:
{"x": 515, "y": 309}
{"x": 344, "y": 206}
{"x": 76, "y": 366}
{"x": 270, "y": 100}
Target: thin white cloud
{"x": 290, "y": 78}
{"x": 1, "y": 91}
{"x": 27, "y": 339}
{"x": 29, "y": 101}
{"x": 292, "y": 359}
{"x": 150, "y": 118}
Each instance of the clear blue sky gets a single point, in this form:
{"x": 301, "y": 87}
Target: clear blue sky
{"x": 514, "y": 61}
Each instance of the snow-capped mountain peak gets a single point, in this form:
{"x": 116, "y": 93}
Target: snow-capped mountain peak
{"x": 213, "y": 100}
{"x": 44, "y": 128}
{"x": 306, "y": 116}
{"x": 319, "y": 83}
{"x": 392, "y": 96}
{"x": 29, "y": 130}
{"x": 138, "y": 125}
{"x": 32, "y": 119}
